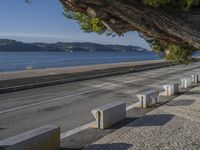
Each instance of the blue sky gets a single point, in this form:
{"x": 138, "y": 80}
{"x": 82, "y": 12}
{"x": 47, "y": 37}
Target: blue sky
{"x": 42, "y": 21}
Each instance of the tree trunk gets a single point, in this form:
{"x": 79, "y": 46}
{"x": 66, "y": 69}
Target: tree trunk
{"x": 163, "y": 24}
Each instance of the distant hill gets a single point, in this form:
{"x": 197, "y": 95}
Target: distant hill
{"x": 7, "y": 45}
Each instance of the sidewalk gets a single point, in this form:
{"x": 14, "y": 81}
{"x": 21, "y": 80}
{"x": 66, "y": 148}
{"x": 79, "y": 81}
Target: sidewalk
{"x": 20, "y": 80}
{"x": 77, "y": 69}
{"x": 173, "y": 126}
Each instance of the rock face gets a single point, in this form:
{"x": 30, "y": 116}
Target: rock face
{"x": 164, "y": 24}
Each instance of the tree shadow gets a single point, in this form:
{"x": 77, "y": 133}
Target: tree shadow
{"x": 192, "y": 93}
{"x": 123, "y": 123}
{"x": 2, "y": 128}
{"x": 151, "y": 120}
{"x": 121, "y": 146}
{"x": 148, "y": 120}
{"x": 71, "y": 148}
{"x": 182, "y": 102}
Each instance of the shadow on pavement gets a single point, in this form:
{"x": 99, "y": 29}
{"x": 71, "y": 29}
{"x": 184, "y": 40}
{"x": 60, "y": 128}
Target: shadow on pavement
{"x": 70, "y": 148}
{"x": 192, "y": 92}
{"x": 2, "y": 128}
{"x": 181, "y": 102}
{"x": 152, "y": 120}
{"x": 90, "y": 135}
{"x": 112, "y": 146}
{"x": 123, "y": 123}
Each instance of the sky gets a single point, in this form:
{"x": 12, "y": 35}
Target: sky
{"x": 43, "y": 21}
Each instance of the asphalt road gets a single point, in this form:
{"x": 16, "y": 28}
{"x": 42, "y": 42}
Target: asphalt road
{"x": 69, "y": 105}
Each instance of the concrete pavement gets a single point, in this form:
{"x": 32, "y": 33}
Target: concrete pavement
{"x": 22, "y": 80}
{"x": 175, "y": 125}
{"x": 69, "y": 70}
{"x": 69, "y": 105}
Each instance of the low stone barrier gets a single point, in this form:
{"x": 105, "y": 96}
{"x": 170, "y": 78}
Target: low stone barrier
{"x": 43, "y": 138}
{"x": 186, "y": 82}
{"x": 110, "y": 114}
{"x": 171, "y": 89}
{"x": 195, "y": 78}
{"x": 148, "y": 98}
{"x": 22, "y": 80}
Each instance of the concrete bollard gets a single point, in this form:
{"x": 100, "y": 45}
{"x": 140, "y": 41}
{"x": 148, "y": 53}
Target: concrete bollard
{"x": 171, "y": 89}
{"x": 198, "y": 77}
{"x": 195, "y": 78}
{"x": 186, "y": 82}
{"x": 148, "y": 98}
{"x": 43, "y": 138}
{"x": 108, "y": 115}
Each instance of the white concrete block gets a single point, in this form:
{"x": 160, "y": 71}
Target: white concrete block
{"x": 171, "y": 89}
{"x": 198, "y": 77}
{"x": 148, "y": 98}
{"x": 195, "y": 78}
{"x": 186, "y": 82}
{"x": 108, "y": 115}
{"x": 43, "y": 138}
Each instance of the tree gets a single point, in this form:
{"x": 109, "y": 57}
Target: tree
{"x": 28, "y": 1}
{"x": 171, "y": 26}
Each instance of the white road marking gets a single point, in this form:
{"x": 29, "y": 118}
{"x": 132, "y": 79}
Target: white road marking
{"x": 76, "y": 130}
{"x": 83, "y": 127}
{"x": 100, "y": 85}
{"x": 131, "y": 106}
{"x": 23, "y": 98}
{"x": 88, "y": 125}
{"x": 68, "y": 96}
{"x": 77, "y": 94}
{"x": 47, "y": 101}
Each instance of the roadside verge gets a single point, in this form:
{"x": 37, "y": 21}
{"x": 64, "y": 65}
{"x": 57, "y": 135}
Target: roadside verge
{"x": 21, "y": 80}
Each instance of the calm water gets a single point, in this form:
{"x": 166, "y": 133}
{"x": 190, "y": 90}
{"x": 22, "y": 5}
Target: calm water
{"x": 15, "y": 61}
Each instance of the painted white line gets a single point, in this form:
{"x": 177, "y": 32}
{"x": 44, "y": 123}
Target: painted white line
{"x": 88, "y": 125}
{"x": 72, "y": 95}
{"x": 76, "y": 130}
{"x": 100, "y": 85}
{"x": 77, "y": 94}
{"x": 131, "y": 106}
{"x": 27, "y": 97}
{"x": 47, "y": 101}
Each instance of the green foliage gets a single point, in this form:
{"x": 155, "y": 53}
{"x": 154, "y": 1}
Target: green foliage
{"x": 156, "y": 3}
{"x": 184, "y": 4}
{"x": 87, "y": 24}
{"x": 171, "y": 51}
{"x": 178, "y": 53}
{"x": 28, "y": 1}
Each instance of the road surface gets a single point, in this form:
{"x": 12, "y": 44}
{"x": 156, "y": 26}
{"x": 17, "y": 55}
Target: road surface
{"x": 69, "y": 105}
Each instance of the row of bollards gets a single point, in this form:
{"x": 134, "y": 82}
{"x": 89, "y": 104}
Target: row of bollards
{"x": 110, "y": 114}
{"x": 149, "y": 98}
{"x": 48, "y": 137}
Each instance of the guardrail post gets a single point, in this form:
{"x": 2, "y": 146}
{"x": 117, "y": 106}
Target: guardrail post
{"x": 148, "y": 98}
{"x": 186, "y": 82}
{"x": 171, "y": 89}
{"x": 195, "y": 78}
{"x": 110, "y": 114}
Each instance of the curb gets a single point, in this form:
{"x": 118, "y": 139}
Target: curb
{"x": 34, "y": 83}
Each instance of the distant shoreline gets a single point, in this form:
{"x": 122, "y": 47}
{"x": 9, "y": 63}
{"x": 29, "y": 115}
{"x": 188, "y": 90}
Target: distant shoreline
{"x": 7, "y": 45}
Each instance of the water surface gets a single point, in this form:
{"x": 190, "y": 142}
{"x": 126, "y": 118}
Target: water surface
{"x": 15, "y": 61}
